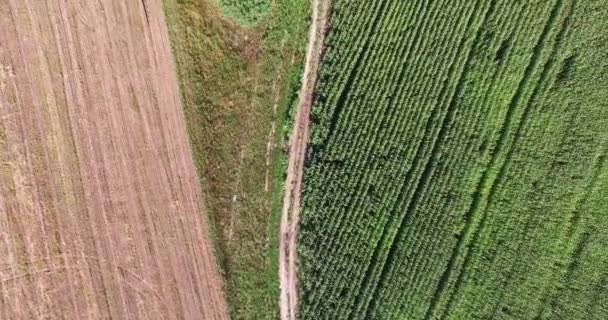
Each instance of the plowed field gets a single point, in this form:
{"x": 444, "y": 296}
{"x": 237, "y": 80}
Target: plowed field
{"x": 100, "y": 211}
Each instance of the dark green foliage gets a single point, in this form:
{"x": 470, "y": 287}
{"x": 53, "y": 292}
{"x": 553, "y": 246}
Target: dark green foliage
{"x": 458, "y": 166}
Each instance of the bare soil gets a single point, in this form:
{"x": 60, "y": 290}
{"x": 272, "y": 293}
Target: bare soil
{"x": 100, "y": 209}
{"x": 297, "y": 154}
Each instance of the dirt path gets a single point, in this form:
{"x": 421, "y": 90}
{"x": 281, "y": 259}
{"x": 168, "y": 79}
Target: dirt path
{"x": 297, "y": 153}
{"x": 100, "y": 208}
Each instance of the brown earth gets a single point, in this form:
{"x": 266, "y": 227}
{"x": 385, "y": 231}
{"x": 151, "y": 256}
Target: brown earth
{"x": 100, "y": 211}
{"x": 298, "y": 141}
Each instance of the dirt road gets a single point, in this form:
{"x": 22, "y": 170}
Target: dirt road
{"x": 100, "y": 211}
{"x": 297, "y": 153}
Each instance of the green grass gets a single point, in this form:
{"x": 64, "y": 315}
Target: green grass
{"x": 230, "y": 79}
{"x": 246, "y": 12}
{"x": 457, "y": 166}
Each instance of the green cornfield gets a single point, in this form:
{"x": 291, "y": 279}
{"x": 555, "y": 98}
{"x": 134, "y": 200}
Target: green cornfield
{"x": 457, "y": 162}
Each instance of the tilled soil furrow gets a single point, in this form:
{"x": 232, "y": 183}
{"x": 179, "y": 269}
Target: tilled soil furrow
{"x": 100, "y": 208}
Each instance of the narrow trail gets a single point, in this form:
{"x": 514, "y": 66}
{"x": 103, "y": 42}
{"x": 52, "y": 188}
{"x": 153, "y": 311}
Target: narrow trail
{"x": 297, "y": 153}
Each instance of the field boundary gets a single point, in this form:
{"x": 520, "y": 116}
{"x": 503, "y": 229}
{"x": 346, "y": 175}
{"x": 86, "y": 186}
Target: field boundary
{"x": 288, "y": 300}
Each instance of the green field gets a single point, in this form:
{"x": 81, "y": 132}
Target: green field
{"x": 457, "y": 164}
{"x": 246, "y": 12}
{"x": 236, "y": 83}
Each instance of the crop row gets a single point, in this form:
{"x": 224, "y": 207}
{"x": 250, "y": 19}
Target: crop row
{"x": 419, "y": 113}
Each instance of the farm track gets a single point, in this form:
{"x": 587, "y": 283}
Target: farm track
{"x": 288, "y": 303}
{"x": 100, "y": 209}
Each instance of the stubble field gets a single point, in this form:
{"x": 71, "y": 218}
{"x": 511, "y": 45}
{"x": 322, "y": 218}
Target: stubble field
{"x": 100, "y": 211}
